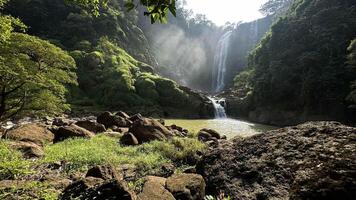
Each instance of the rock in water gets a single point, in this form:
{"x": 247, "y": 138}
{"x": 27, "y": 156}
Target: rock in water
{"x": 310, "y": 161}
{"x": 186, "y": 186}
{"x": 146, "y": 130}
{"x": 35, "y": 133}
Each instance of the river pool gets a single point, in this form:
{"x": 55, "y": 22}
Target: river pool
{"x": 228, "y": 127}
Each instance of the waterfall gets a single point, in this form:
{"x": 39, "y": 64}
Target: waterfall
{"x": 219, "y": 107}
{"x": 220, "y": 62}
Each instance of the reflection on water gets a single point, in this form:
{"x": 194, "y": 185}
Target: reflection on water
{"x": 228, "y": 127}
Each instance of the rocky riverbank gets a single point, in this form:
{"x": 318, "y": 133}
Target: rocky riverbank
{"x": 117, "y": 156}
{"x": 309, "y": 161}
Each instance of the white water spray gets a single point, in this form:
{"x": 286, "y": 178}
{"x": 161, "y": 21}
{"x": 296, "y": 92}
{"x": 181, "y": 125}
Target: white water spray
{"x": 219, "y": 107}
{"x": 220, "y": 62}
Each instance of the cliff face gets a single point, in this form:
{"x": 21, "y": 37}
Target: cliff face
{"x": 244, "y": 38}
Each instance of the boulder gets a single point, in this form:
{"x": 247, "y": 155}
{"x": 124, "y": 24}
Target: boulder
{"x": 97, "y": 188}
{"x": 204, "y": 136}
{"x": 109, "y": 120}
{"x": 314, "y": 160}
{"x": 123, "y": 115}
{"x": 154, "y": 189}
{"x": 71, "y": 131}
{"x": 94, "y": 127}
{"x": 146, "y": 130}
{"x": 128, "y": 139}
{"x": 29, "y": 149}
{"x": 186, "y": 186}
{"x": 33, "y": 132}
{"x": 177, "y": 131}
{"x": 212, "y": 132}
{"x": 61, "y": 122}
{"x": 105, "y": 172}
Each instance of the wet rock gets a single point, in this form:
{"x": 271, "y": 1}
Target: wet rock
{"x": 186, "y": 186}
{"x": 311, "y": 161}
{"x": 146, "y": 130}
{"x": 105, "y": 172}
{"x": 154, "y": 189}
{"x": 29, "y": 149}
{"x": 109, "y": 120}
{"x": 71, "y": 131}
{"x": 35, "y": 133}
{"x": 128, "y": 139}
{"x": 91, "y": 126}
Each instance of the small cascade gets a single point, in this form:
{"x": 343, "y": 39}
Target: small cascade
{"x": 220, "y": 62}
{"x": 219, "y": 107}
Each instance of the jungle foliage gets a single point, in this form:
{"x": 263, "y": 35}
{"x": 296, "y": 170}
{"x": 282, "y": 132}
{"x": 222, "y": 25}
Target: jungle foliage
{"x": 301, "y": 64}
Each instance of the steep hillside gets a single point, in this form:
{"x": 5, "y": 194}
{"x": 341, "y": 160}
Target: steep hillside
{"x": 299, "y": 71}
{"x": 116, "y": 69}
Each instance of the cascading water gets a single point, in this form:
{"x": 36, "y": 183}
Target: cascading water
{"x": 220, "y": 62}
{"x": 219, "y": 109}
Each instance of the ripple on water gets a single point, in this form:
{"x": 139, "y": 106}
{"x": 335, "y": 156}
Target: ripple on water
{"x": 228, "y": 127}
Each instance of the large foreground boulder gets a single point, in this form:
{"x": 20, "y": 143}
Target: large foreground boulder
{"x": 147, "y": 129}
{"x": 310, "y": 161}
{"x": 33, "y": 132}
{"x": 154, "y": 189}
{"x": 71, "y": 131}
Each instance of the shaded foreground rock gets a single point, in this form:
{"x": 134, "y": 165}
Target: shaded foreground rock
{"x": 33, "y": 132}
{"x": 154, "y": 189}
{"x": 186, "y": 186}
{"x": 71, "y": 131}
{"x": 97, "y": 188}
{"x": 310, "y": 161}
{"x": 146, "y": 130}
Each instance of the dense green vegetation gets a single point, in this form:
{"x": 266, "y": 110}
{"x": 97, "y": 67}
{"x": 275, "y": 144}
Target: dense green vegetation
{"x": 300, "y": 65}
{"x": 82, "y": 154}
{"x": 115, "y": 66}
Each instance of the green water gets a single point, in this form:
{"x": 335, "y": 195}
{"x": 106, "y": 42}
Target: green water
{"x": 228, "y": 127}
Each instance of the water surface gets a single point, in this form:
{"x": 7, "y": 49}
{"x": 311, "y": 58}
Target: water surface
{"x": 228, "y": 127}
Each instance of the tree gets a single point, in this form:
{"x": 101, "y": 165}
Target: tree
{"x": 33, "y": 74}
{"x": 275, "y": 7}
{"x": 157, "y": 10}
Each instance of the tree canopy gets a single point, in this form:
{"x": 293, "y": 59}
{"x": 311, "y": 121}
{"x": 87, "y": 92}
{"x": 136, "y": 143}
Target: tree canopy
{"x": 33, "y": 74}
